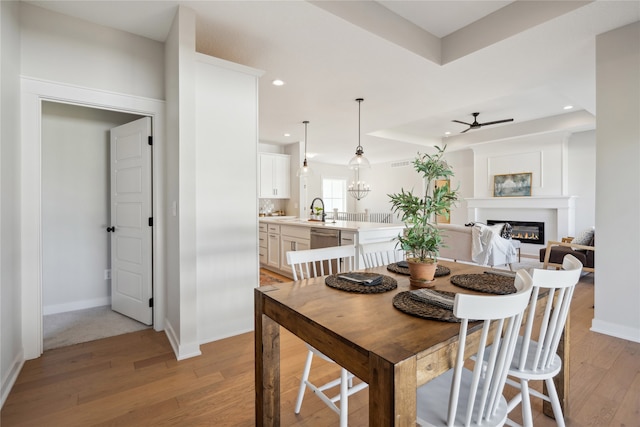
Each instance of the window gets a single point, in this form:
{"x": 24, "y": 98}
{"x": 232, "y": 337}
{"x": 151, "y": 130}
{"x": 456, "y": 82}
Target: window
{"x": 334, "y": 194}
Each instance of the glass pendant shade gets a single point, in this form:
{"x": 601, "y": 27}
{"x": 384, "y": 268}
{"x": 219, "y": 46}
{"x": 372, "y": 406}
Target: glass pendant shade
{"x": 305, "y": 170}
{"x": 359, "y": 161}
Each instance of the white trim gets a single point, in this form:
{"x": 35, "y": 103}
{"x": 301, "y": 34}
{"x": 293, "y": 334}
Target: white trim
{"x": 75, "y": 305}
{"x": 182, "y": 352}
{"x": 12, "y": 375}
{"x": 222, "y": 63}
{"x": 33, "y": 92}
{"x": 615, "y": 330}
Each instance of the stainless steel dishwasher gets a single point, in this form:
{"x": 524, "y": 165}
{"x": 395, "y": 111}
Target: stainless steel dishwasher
{"x": 325, "y": 238}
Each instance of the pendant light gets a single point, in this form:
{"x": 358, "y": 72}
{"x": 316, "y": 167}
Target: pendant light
{"x": 305, "y": 170}
{"x": 358, "y": 189}
{"x": 359, "y": 160}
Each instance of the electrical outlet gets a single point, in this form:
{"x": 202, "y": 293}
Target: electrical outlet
{"x": 107, "y": 275}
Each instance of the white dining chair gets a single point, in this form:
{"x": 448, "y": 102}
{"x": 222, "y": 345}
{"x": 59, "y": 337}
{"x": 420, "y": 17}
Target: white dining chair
{"x": 461, "y": 397}
{"x": 320, "y": 262}
{"x": 380, "y": 253}
{"x": 536, "y": 357}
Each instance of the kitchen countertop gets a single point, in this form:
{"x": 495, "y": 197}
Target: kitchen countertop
{"x": 339, "y": 225}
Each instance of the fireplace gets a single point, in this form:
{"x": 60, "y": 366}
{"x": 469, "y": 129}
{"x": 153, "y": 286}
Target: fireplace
{"x": 525, "y": 231}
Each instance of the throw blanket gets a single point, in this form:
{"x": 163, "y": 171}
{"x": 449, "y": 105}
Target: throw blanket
{"x": 489, "y": 248}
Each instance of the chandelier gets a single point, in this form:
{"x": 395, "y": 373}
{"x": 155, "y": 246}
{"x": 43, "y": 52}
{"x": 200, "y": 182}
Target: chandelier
{"x": 358, "y": 189}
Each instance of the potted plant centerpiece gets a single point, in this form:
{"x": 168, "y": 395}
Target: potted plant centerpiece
{"x": 421, "y": 238}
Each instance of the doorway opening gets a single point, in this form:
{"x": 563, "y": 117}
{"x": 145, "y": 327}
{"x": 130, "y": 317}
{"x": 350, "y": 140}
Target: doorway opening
{"x": 75, "y": 213}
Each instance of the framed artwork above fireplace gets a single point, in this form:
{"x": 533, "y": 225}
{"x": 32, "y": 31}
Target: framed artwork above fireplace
{"x": 512, "y": 185}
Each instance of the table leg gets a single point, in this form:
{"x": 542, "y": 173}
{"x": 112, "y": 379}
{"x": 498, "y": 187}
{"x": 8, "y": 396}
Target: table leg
{"x": 392, "y": 392}
{"x": 267, "y": 368}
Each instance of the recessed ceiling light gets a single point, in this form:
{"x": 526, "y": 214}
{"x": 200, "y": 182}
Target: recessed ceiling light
{"x": 447, "y": 133}
{"x": 567, "y": 107}
{"x": 287, "y": 134}
{"x": 311, "y": 155}
{"x": 277, "y": 82}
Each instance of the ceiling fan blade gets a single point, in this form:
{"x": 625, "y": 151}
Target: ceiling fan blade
{"x": 496, "y": 122}
{"x": 458, "y": 121}
{"x": 465, "y": 130}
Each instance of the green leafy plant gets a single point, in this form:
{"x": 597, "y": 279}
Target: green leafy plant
{"x": 421, "y": 238}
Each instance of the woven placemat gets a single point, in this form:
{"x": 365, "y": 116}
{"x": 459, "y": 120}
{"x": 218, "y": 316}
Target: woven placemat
{"x": 489, "y": 283}
{"x": 388, "y": 284}
{"x": 441, "y": 270}
{"x": 403, "y": 302}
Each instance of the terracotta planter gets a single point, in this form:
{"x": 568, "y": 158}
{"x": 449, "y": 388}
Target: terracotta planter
{"x": 421, "y": 274}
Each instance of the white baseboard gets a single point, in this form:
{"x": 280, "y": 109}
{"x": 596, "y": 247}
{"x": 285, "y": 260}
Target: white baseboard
{"x": 181, "y": 351}
{"x": 615, "y": 330}
{"x": 12, "y": 375}
{"x": 227, "y": 335}
{"x": 76, "y": 305}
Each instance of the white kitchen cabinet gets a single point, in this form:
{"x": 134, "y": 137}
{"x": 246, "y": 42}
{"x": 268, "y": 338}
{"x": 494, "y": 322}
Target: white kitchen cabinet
{"x": 273, "y": 246}
{"x": 263, "y": 244}
{"x": 347, "y": 238}
{"x": 293, "y": 239}
{"x": 275, "y": 170}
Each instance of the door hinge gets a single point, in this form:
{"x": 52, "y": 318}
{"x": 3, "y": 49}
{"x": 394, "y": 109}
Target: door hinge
{"x": 150, "y": 302}
{"x": 151, "y": 222}
{"x": 150, "y": 140}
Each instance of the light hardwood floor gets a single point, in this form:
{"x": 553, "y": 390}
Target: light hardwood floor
{"x": 134, "y": 380}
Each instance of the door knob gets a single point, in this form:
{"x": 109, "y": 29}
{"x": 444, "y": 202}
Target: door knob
{"x": 111, "y": 229}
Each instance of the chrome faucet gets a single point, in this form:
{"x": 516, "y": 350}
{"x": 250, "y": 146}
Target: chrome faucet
{"x": 323, "y": 212}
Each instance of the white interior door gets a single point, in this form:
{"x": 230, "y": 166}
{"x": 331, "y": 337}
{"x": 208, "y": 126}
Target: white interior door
{"x": 131, "y": 230}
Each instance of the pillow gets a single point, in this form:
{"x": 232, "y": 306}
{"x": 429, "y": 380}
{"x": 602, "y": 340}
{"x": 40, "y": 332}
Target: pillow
{"x": 585, "y": 237}
{"x": 507, "y": 231}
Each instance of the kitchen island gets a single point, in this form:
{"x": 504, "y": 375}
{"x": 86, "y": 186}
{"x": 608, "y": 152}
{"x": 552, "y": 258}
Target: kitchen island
{"x": 277, "y": 236}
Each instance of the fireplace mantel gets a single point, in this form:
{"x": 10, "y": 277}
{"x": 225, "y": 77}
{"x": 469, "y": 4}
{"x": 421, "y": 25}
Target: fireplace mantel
{"x": 562, "y": 207}
{"x": 548, "y": 202}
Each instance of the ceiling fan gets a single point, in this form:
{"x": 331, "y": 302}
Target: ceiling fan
{"x": 476, "y": 125}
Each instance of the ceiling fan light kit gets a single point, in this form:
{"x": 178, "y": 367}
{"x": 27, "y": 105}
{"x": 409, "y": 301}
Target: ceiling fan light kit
{"x": 476, "y": 125}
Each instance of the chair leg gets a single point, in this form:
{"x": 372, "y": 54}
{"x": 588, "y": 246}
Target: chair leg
{"x": 344, "y": 397}
{"x": 527, "y": 416}
{"x": 555, "y": 402}
{"x": 303, "y": 381}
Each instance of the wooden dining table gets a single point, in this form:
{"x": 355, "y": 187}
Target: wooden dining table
{"x": 392, "y": 351}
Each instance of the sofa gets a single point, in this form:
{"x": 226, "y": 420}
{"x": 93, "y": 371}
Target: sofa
{"x": 478, "y": 243}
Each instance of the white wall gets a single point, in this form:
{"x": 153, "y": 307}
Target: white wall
{"x": 617, "y": 290}
{"x": 327, "y": 171}
{"x": 60, "y": 48}
{"x": 11, "y": 349}
{"x": 542, "y": 155}
{"x": 182, "y": 316}
{"x": 582, "y": 177}
{"x": 75, "y": 205}
{"x": 226, "y": 203}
